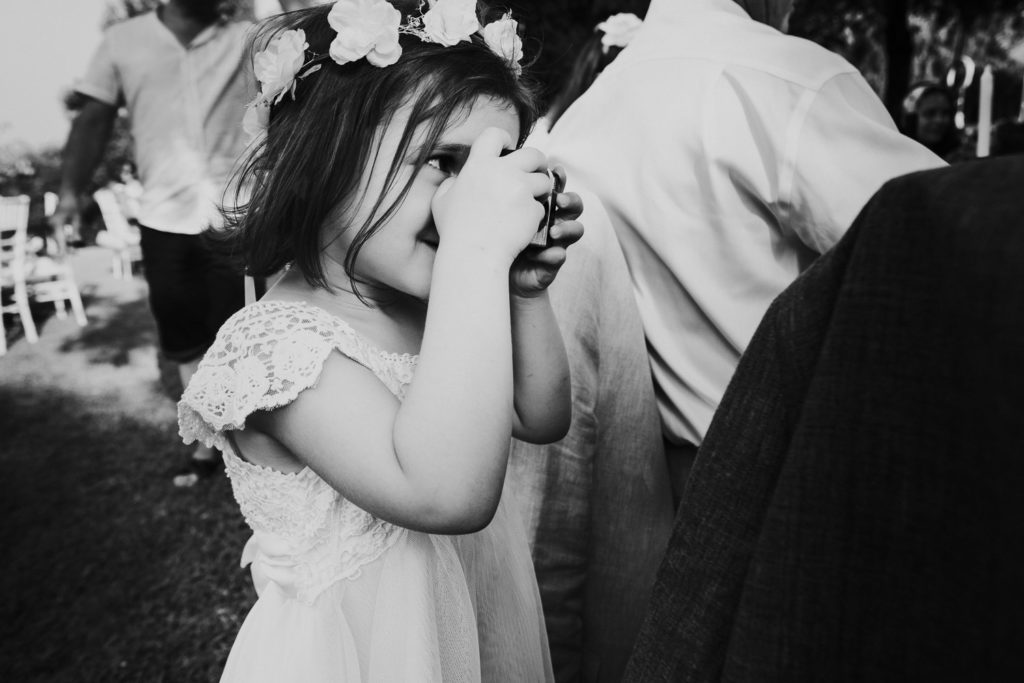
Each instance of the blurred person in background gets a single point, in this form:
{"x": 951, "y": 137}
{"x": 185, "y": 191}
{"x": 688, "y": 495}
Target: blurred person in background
{"x": 599, "y": 50}
{"x": 597, "y": 503}
{"x": 929, "y": 117}
{"x": 183, "y": 74}
{"x": 729, "y": 156}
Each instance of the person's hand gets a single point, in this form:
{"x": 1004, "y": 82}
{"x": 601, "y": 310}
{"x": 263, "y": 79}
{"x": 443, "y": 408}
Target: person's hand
{"x": 67, "y": 213}
{"x": 534, "y": 270}
{"x": 491, "y": 206}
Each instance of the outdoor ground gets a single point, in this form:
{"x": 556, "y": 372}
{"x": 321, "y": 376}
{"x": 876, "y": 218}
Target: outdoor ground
{"x": 109, "y": 573}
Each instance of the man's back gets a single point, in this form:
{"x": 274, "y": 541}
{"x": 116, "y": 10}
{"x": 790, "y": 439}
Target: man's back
{"x": 728, "y": 155}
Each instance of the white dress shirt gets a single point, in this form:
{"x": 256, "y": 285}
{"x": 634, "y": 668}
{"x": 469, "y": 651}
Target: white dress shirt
{"x": 728, "y": 156}
{"x": 186, "y": 105}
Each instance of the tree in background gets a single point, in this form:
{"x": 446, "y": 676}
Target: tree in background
{"x": 898, "y": 42}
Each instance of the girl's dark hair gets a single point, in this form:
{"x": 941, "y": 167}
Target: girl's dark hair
{"x": 310, "y": 163}
{"x": 908, "y": 125}
{"x": 590, "y": 61}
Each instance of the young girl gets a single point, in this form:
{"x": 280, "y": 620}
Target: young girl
{"x": 366, "y": 432}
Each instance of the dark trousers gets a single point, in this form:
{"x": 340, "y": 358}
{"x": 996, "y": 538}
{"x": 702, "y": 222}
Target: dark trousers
{"x": 192, "y": 291}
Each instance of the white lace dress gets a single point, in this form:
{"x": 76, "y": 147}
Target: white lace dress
{"x": 344, "y": 596}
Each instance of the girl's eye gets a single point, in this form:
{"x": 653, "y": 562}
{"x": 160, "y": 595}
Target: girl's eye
{"x": 442, "y": 163}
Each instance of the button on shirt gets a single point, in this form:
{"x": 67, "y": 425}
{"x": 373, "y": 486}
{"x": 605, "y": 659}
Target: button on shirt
{"x": 186, "y": 105}
{"x": 728, "y": 156}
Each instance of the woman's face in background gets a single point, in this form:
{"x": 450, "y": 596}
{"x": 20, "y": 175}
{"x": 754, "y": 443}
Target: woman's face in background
{"x": 934, "y": 118}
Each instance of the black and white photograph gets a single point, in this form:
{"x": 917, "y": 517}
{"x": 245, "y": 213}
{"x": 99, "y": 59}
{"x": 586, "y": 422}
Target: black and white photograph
{"x": 512, "y": 341}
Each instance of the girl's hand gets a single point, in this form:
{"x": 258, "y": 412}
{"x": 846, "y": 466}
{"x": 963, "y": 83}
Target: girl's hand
{"x": 491, "y": 205}
{"x": 534, "y": 270}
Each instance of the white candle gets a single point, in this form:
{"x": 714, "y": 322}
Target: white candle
{"x": 1020, "y": 117}
{"x": 985, "y": 113}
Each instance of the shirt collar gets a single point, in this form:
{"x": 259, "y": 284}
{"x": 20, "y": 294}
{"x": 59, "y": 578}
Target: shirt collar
{"x": 209, "y": 33}
{"x": 678, "y": 11}
{"x": 204, "y": 36}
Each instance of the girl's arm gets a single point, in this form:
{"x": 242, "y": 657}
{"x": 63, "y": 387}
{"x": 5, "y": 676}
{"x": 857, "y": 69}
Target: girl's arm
{"x": 543, "y": 391}
{"x": 436, "y": 461}
{"x": 543, "y": 395}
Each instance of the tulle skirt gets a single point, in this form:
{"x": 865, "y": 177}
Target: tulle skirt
{"x": 432, "y": 608}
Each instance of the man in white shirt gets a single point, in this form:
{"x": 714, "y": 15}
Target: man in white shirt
{"x": 728, "y": 156}
{"x": 182, "y": 72}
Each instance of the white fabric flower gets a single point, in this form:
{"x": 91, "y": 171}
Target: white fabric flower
{"x": 502, "y": 36}
{"x": 276, "y": 67}
{"x": 257, "y": 117}
{"x": 618, "y": 29}
{"x": 448, "y": 22}
{"x": 366, "y": 28}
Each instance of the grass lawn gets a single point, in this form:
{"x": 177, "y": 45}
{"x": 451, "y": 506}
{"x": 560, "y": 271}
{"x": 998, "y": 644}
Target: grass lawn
{"x": 109, "y": 572}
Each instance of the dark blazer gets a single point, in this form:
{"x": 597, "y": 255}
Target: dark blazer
{"x": 856, "y": 512}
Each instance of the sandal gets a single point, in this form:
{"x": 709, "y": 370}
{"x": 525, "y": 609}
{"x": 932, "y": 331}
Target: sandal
{"x": 198, "y": 468}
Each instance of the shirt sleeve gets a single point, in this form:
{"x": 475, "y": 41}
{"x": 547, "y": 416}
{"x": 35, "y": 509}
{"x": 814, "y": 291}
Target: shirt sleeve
{"x": 845, "y": 149}
{"x": 102, "y": 80}
{"x": 261, "y": 359}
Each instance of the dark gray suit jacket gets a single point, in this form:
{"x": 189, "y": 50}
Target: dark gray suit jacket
{"x": 857, "y": 510}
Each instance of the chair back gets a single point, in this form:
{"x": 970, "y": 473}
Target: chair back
{"x": 113, "y": 217}
{"x": 13, "y": 235}
{"x": 49, "y": 203}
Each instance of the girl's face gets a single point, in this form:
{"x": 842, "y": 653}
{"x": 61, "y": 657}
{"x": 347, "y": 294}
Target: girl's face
{"x": 400, "y": 256}
{"x": 934, "y": 117}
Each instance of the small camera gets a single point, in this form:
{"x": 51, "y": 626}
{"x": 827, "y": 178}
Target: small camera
{"x": 540, "y": 238}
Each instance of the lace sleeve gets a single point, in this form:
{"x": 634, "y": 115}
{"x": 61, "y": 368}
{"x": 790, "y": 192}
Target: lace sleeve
{"x": 262, "y": 359}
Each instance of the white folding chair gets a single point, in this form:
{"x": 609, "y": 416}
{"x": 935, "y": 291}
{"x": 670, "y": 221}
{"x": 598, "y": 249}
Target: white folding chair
{"x": 13, "y": 256}
{"x": 28, "y": 277}
{"x": 120, "y": 236}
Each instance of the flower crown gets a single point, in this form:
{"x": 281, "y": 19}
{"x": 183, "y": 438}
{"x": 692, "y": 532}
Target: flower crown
{"x": 618, "y": 29}
{"x": 370, "y": 29}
